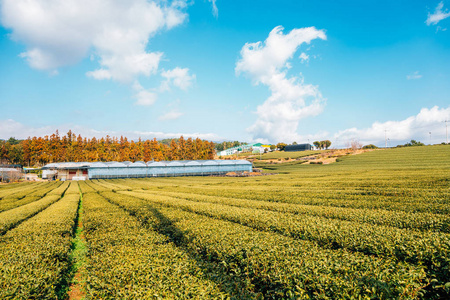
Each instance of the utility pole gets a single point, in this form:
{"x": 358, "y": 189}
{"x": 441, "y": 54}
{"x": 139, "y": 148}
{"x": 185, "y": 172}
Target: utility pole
{"x": 430, "y": 137}
{"x": 446, "y": 131}
{"x": 385, "y": 138}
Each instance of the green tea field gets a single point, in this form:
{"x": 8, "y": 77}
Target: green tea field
{"x": 370, "y": 226}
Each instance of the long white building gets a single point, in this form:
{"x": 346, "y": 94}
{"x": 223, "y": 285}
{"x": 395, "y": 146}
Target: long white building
{"x": 103, "y": 170}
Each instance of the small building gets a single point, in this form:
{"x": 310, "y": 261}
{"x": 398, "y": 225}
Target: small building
{"x": 298, "y": 147}
{"x": 66, "y": 171}
{"x": 254, "y": 148}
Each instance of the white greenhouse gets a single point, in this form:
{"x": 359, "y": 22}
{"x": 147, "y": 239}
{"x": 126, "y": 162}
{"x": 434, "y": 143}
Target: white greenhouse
{"x": 140, "y": 169}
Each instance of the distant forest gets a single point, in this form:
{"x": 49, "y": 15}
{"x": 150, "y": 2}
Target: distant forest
{"x": 37, "y": 151}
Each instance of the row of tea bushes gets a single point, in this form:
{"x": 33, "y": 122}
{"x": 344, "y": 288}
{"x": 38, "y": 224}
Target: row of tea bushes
{"x": 34, "y": 257}
{"x": 429, "y": 249}
{"x": 50, "y": 189}
{"x": 14, "y": 216}
{"x": 73, "y": 188}
{"x": 128, "y": 261}
{"x": 319, "y": 192}
{"x": 13, "y": 203}
{"x": 10, "y": 189}
{"x": 61, "y": 189}
{"x": 399, "y": 219}
{"x": 275, "y": 266}
{"x": 38, "y": 191}
{"x": 85, "y": 187}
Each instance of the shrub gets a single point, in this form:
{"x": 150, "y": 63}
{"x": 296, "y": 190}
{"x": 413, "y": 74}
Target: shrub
{"x": 370, "y": 146}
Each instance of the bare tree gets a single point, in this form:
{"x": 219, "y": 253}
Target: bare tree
{"x": 355, "y": 145}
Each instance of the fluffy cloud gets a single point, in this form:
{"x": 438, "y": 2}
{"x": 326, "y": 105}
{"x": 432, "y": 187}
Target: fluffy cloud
{"x": 144, "y": 97}
{"x": 439, "y": 14}
{"x": 291, "y": 99}
{"x": 415, "y": 127}
{"x": 177, "y": 77}
{"x": 10, "y": 128}
{"x": 61, "y": 33}
{"x": 414, "y": 75}
{"x": 172, "y": 115}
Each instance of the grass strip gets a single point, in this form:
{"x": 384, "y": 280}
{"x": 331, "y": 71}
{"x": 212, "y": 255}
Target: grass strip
{"x": 78, "y": 256}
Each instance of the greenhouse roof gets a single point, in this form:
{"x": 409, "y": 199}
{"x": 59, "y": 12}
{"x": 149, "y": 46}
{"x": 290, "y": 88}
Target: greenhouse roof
{"x": 156, "y": 164}
{"x": 98, "y": 165}
{"x": 209, "y": 163}
{"x": 117, "y": 165}
{"x": 138, "y": 164}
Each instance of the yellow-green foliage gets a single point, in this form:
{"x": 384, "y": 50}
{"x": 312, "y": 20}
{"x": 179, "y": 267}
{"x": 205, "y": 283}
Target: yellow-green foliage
{"x": 50, "y": 189}
{"x": 85, "y": 187}
{"x": 128, "y": 261}
{"x": 10, "y": 189}
{"x": 10, "y": 218}
{"x": 60, "y": 189}
{"x": 35, "y": 190}
{"x": 274, "y": 266}
{"x": 34, "y": 257}
{"x": 73, "y": 188}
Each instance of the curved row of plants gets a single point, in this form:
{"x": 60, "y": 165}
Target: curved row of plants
{"x": 428, "y": 249}
{"x": 34, "y": 257}
{"x": 275, "y": 266}
{"x": 11, "y": 218}
{"x": 128, "y": 261}
{"x": 399, "y": 219}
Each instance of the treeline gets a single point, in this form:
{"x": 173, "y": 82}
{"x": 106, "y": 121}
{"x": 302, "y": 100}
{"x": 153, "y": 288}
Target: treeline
{"x": 226, "y": 145}
{"x": 70, "y": 147}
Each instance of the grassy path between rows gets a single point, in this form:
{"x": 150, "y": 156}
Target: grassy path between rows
{"x": 78, "y": 257}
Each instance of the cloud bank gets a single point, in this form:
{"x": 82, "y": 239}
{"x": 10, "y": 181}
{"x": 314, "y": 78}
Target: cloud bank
{"x": 61, "y": 33}
{"x": 415, "y": 127}
{"x": 291, "y": 99}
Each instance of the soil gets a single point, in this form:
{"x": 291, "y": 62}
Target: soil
{"x": 326, "y": 157}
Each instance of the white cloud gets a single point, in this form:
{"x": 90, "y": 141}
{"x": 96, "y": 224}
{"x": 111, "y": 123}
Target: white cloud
{"x": 215, "y": 11}
{"x": 291, "y": 99}
{"x": 304, "y": 57}
{"x": 61, "y": 33}
{"x": 144, "y": 97}
{"x": 10, "y": 128}
{"x": 415, "y": 127}
{"x": 177, "y": 77}
{"x": 439, "y": 14}
{"x": 172, "y": 115}
{"x": 414, "y": 75}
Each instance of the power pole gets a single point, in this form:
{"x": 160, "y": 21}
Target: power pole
{"x": 446, "y": 131}
{"x": 385, "y": 138}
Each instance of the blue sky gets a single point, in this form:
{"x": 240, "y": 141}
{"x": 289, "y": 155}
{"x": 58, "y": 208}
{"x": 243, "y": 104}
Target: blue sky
{"x": 338, "y": 70}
